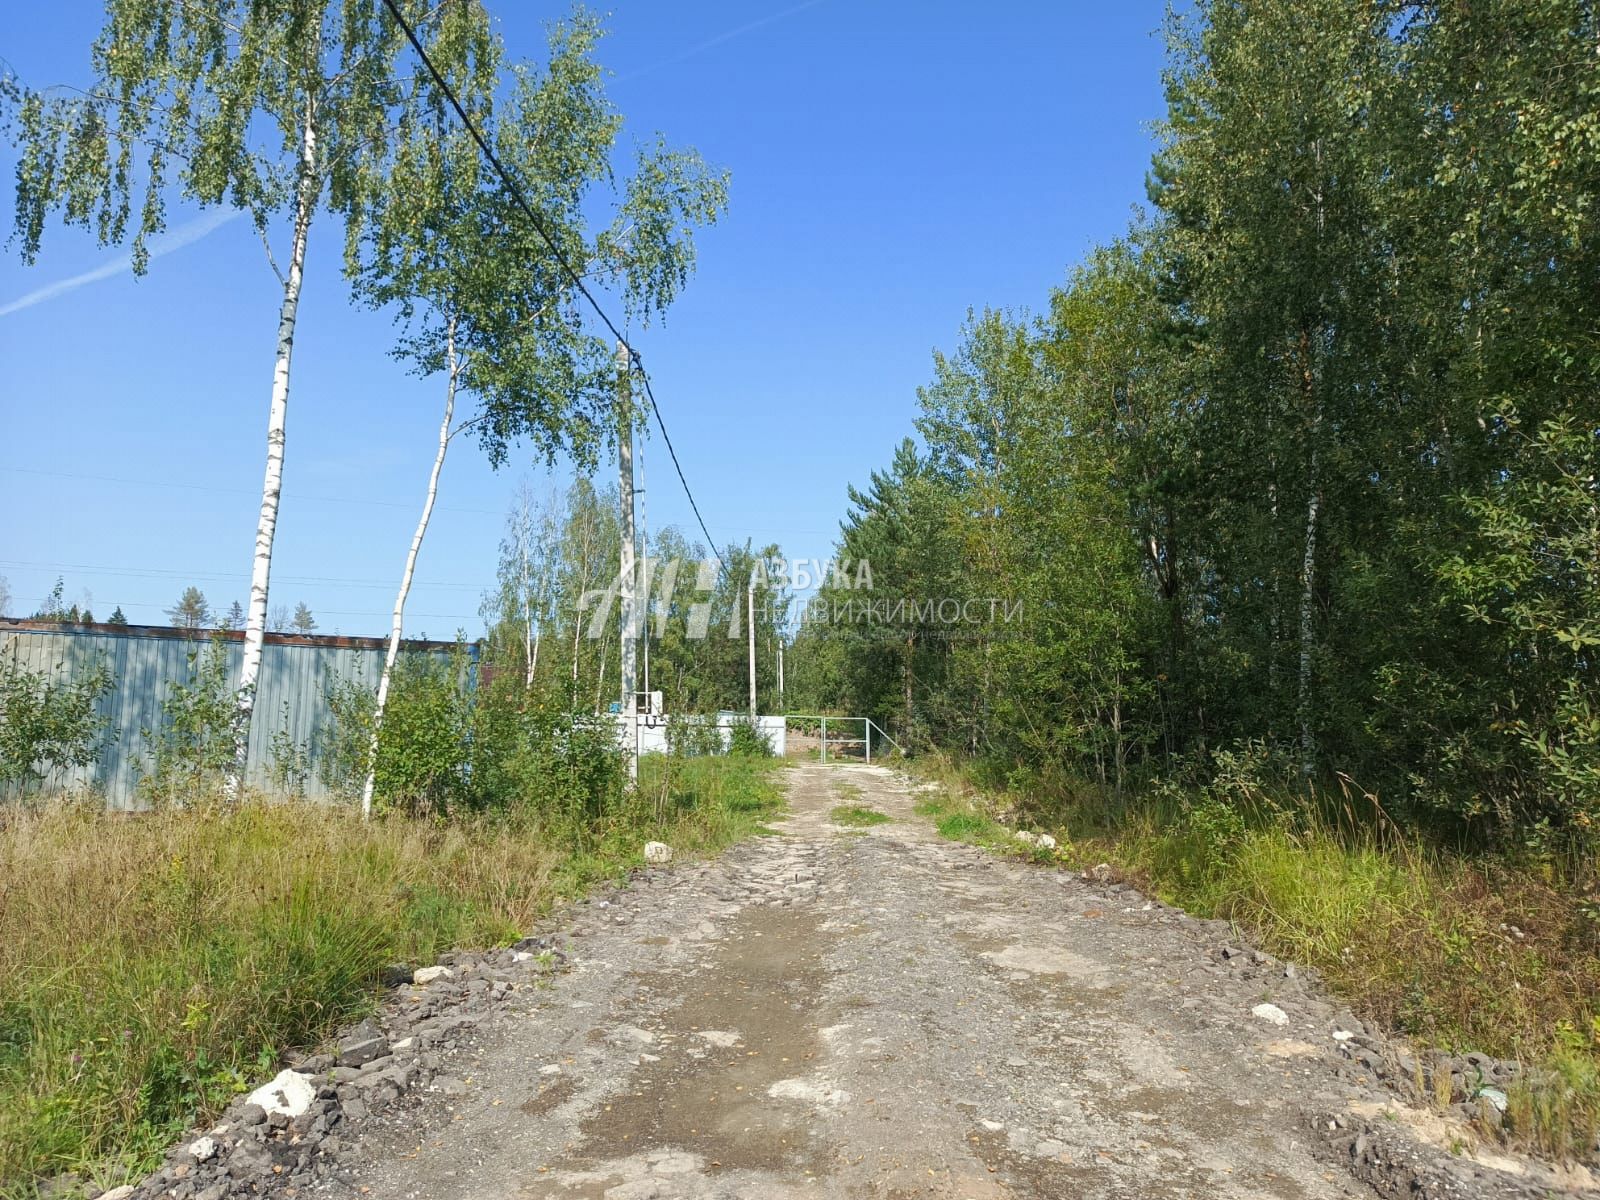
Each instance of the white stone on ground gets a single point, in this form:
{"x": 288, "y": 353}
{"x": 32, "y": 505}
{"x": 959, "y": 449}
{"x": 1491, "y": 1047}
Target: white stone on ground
{"x": 804, "y": 1089}
{"x": 657, "y": 853}
{"x": 1047, "y": 842}
{"x": 426, "y": 975}
{"x": 291, "y": 1093}
{"x": 203, "y": 1149}
{"x": 1271, "y": 1013}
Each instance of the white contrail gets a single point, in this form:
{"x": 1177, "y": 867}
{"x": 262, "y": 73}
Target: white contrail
{"x": 719, "y": 39}
{"x": 173, "y": 239}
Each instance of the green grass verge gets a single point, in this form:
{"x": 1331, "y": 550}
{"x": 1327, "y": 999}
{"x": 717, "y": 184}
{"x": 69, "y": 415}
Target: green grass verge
{"x": 857, "y": 816}
{"x": 962, "y": 817}
{"x": 154, "y": 965}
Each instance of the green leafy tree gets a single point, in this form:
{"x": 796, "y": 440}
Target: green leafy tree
{"x": 54, "y": 607}
{"x": 440, "y": 246}
{"x": 519, "y": 612}
{"x": 284, "y": 110}
{"x": 1300, "y": 473}
{"x": 49, "y": 725}
{"x": 193, "y": 746}
{"x": 1533, "y": 577}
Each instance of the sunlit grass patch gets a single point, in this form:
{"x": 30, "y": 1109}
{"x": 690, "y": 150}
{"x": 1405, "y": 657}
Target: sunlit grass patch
{"x": 857, "y": 815}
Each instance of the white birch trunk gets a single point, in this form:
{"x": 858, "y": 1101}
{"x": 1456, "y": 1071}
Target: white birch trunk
{"x": 528, "y": 643}
{"x": 393, "y": 652}
{"x": 600, "y": 683}
{"x": 1308, "y": 572}
{"x": 533, "y": 658}
{"x": 310, "y": 189}
{"x": 1308, "y": 563}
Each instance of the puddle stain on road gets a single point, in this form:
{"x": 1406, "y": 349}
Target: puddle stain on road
{"x": 713, "y": 1100}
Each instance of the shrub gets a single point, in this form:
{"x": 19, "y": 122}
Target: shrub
{"x": 347, "y": 741}
{"x": 746, "y": 737}
{"x": 48, "y": 726}
{"x": 423, "y": 743}
{"x": 565, "y": 766}
{"x": 289, "y": 768}
{"x": 691, "y": 736}
{"x": 194, "y": 746}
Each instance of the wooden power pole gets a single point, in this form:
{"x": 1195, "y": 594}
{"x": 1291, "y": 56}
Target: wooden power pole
{"x": 750, "y": 621}
{"x": 628, "y": 573}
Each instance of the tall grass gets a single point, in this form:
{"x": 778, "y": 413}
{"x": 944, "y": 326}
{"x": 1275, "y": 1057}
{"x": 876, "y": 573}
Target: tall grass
{"x": 153, "y": 964}
{"x": 1460, "y": 951}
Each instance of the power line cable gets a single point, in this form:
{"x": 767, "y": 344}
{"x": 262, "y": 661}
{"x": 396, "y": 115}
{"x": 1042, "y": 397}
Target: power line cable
{"x": 516, "y": 193}
{"x": 711, "y": 543}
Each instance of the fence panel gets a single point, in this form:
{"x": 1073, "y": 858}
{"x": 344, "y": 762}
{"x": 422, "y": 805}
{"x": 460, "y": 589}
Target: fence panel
{"x": 292, "y": 692}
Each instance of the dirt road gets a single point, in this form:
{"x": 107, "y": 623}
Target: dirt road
{"x": 879, "y": 1013}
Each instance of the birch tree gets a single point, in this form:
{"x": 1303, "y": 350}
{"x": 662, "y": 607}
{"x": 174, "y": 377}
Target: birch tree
{"x": 284, "y": 109}
{"x": 518, "y": 612}
{"x": 484, "y": 303}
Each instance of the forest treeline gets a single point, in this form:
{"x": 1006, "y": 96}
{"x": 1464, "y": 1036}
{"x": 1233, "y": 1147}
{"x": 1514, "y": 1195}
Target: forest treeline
{"x": 1305, "y": 462}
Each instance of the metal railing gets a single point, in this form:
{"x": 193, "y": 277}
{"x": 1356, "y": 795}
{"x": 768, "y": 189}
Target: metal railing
{"x": 868, "y": 726}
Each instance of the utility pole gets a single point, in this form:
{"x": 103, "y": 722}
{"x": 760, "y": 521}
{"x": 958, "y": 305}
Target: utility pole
{"x": 750, "y": 614}
{"x": 781, "y": 707}
{"x": 645, "y": 584}
{"x": 628, "y": 574}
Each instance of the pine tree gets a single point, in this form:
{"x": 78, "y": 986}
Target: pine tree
{"x": 191, "y": 611}
{"x": 304, "y": 622}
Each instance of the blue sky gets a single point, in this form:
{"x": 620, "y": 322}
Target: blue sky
{"x": 893, "y": 164}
